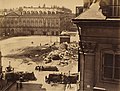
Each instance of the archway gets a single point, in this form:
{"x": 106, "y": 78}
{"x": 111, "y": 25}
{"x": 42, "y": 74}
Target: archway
{"x": 44, "y": 33}
{"x": 32, "y": 32}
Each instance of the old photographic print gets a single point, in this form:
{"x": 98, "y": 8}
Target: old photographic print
{"x": 59, "y": 45}
{"x": 38, "y": 45}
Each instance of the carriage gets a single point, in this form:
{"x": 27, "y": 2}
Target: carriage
{"x": 54, "y": 78}
{"x": 61, "y": 78}
{"x": 46, "y": 68}
{"x": 13, "y": 76}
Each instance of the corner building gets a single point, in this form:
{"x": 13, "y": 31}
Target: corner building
{"x": 99, "y": 52}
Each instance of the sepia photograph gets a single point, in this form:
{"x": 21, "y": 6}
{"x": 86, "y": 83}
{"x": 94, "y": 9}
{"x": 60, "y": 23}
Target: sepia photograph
{"x": 59, "y": 45}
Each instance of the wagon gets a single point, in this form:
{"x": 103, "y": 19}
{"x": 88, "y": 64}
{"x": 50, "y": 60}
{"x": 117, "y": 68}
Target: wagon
{"x": 46, "y": 68}
{"x": 62, "y": 79}
{"x": 13, "y": 76}
{"x": 54, "y": 78}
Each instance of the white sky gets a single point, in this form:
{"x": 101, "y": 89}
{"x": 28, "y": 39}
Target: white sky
{"x": 71, "y": 4}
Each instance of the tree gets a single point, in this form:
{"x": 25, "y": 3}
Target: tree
{"x": 20, "y": 9}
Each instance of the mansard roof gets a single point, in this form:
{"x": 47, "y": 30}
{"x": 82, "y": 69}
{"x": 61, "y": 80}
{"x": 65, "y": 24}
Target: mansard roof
{"x": 35, "y": 11}
{"x": 47, "y": 10}
{"x": 55, "y": 8}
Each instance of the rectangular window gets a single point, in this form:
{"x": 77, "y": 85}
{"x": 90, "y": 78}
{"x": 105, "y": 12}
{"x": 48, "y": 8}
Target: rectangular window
{"x": 108, "y": 65}
{"x": 111, "y": 66}
{"x": 117, "y": 73}
{"x": 116, "y": 8}
{"x": 117, "y": 67}
{"x": 111, "y": 8}
{"x": 117, "y": 60}
{"x": 108, "y": 59}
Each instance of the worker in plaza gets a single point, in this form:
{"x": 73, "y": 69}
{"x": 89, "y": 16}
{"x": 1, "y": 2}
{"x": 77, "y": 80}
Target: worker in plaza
{"x": 69, "y": 81}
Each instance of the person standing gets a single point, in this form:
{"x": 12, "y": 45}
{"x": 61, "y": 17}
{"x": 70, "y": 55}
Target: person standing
{"x": 69, "y": 81}
{"x": 21, "y": 79}
{"x": 64, "y": 81}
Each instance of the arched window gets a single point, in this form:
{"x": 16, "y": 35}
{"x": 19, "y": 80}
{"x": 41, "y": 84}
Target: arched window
{"x": 24, "y": 12}
{"x": 52, "y": 32}
{"x": 12, "y": 31}
{"x": 32, "y": 12}
{"x": 28, "y": 12}
{"x": 40, "y": 21}
{"x": 16, "y": 21}
{"x": 12, "y": 21}
{"x": 28, "y": 21}
{"x": 40, "y": 12}
{"x": 57, "y": 22}
{"x": 53, "y": 12}
{"x": 49, "y": 12}
{"x": 24, "y": 21}
{"x": 57, "y": 33}
{"x": 45, "y": 12}
{"x": 36, "y": 12}
{"x": 31, "y": 21}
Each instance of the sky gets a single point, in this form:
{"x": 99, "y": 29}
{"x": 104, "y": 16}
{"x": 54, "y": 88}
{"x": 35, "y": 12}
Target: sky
{"x": 71, "y": 4}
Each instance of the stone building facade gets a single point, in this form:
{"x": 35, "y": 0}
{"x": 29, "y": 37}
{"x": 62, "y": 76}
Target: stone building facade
{"x": 99, "y": 52}
{"x": 0, "y": 64}
{"x": 35, "y": 21}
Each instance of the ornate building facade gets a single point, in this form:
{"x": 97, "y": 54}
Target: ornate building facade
{"x": 35, "y": 21}
{"x": 99, "y": 52}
